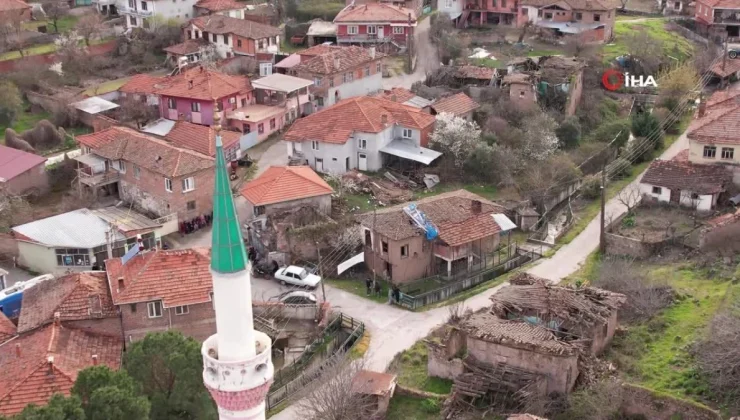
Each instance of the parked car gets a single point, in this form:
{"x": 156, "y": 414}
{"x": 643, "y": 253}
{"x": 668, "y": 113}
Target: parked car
{"x": 297, "y": 276}
{"x": 733, "y": 53}
{"x": 264, "y": 268}
{"x": 296, "y": 297}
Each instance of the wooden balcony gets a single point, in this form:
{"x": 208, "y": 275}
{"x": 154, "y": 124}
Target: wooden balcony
{"x": 99, "y": 179}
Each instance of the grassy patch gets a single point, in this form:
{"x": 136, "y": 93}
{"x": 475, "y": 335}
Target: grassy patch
{"x": 289, "y": 48}
{"x": 540, "y": 53}
{"x": 588, "y": 270}
{"x": 674, "y": 45}
{"x": 35, "y": 50}
{"x": 24, "y": 121}
{"x": 106, "y": 87}
{"x": 357, "y": 287}
{"x": 411, "y": 368}
{"x": 409, "y": 408}
{"x": 360, "y": 348}
{"x": 487, "y": 62}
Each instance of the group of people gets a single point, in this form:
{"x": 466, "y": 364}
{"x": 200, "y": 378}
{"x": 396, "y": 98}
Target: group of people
{"x": 394, "y": 295}
{"x": 195, "y": 224}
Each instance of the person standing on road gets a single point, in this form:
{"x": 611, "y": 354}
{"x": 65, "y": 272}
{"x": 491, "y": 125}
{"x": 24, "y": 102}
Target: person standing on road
{"x": 369, "y": 286}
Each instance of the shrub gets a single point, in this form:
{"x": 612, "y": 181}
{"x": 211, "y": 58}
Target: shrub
{"x": 620, "y": 167}
{"x": 591, "y": 187}
{"x": 430, "y": 405}
{"x": 569, "y": 133}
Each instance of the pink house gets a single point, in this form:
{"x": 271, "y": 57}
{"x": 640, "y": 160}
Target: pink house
{"x": 375, "y": 23}
{"x": 190, "y": 95}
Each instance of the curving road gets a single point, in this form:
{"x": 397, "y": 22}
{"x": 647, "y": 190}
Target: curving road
{"x": 426, "y": 60}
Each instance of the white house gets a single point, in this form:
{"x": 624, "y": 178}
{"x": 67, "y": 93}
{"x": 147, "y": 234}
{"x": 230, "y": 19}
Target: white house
{"x": 136, "y": 13}
{"x": 362, "y": 133}
{"x": 452, "y": 8}
{"x": 681, "y": 182}
{"x": 80, "y": 239}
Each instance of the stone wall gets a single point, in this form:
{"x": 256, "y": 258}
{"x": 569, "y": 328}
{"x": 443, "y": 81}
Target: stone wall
{"x": 443, "y": 358}
{"x": 655, "y": 406}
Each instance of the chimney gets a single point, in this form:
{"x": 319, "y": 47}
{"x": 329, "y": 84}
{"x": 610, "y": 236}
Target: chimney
{"x": 57, "y": 318}
{"x": 394, "y": 98}
{"x": 475, "y": 206}
{"x": 365, "y": 6}
{"x": 17, "y": 349}
{"x": 372, "y": 52}
{"x": 121, "y": 283}
{"x": 336, "y": 62}
{"x": 702, "y": 108}
{"x": 384, "y": 118}
{"x": 95, "y": 359}
{"x": 50, "y": 363}
{"x": 190, "y": 84}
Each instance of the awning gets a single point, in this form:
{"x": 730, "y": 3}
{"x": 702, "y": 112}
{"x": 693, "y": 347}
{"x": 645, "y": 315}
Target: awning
{"x": 90, "y": 159}
{"x": 407, "y": 150}
{"x": 342, "y": 267}
{"x": 504, "y": 222}
{"x": 95, "y": 105}
{"x": 569, "y": 27}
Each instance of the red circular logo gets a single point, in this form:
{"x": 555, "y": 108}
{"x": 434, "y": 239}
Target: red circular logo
{"x": 612, "y": 79}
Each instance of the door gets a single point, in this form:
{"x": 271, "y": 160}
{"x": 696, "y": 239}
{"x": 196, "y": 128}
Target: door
{"x": 675, "y": 196}
{"x": 362, "y": 161}
{"x": 380, "y": 32}
{"x": 319, "y": 165}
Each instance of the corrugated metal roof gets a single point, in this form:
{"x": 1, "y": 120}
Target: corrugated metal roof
{"x": 408, "y": 150}
{"x": 504, "y": 222}
{"x": 281, "y": 83}
{"x": 76, "y": 229}
{"x": 95, "y": 105}
{"x": 126, "y": 219}
{"x": 418, "y": 102}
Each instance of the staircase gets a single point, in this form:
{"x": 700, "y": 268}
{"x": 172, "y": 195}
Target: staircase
{"x": 266, "y": 326}
{"x": 463, "y": 19}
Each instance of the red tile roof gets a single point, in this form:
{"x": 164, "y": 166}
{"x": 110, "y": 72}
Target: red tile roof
{"x": 220, "y": 24}
{"x": 8, "y": 330}
{"x": 76, "y": 297}
{"x": 475, "y": 227}
{"x": 459, "y": 104}
{"x": 12, "y": 5}
{"x": 347, "y": 58}
{"x": 723, "y": 99}
{"x": 317, "y": 50}
{"x": 367, "y": 382}
{"x": 30, "y": 378}
{"x": 397, "y": 94}
{"x": 14, "y": 162}
{"x": 375, "y": 12}
{"x": 204, "y": 84}
{"x": 718, "y": 126}
{"x": 687, "y": 176}
{"x": 682, "y": 156}
{"x": 143, "y": 83}
{"x": 336, "y": 124}
{"x": 219, "y": 5}
{"x": 176, "y": 277}
{"x": 123, "y": 143}
{"x": 285, "y": 183}
{"x": 190, "y": 46}
{"x": 723, "y": 4}
{"x": 200, "y": 138}
{"x": 727, "y": 69}
{"x": 594, "y": 5}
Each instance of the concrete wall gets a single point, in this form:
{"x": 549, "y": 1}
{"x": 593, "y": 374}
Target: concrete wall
{"x": 42, "y": 259}
{"x": 403, "y": 270}
{"x": 442, "y": 360}
{"x": 561, "y": 371}
{"x": 705, "y": 202}
{"x": 33, "y": 179}
{"x": 357, "y": 87}
{"x": 297, "y": 312}
{"x": 322, "y": 203}
{"x": 696, "y": 153}
{"x": 199, "y": 323}
{"x": 602, "y": 334}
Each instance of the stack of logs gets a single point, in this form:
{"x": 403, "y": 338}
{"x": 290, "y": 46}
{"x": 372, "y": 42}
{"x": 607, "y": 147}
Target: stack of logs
{"x": 485, "y": 386}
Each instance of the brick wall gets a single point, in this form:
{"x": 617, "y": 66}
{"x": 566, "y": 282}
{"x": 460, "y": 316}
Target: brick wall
{"x": 199, "y": 323}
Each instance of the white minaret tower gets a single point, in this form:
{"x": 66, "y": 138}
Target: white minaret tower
{"x": 237, "y": 361}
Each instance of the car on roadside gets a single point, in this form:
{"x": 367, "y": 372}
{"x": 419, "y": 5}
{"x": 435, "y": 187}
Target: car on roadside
{"x": 733, "y": 54}
{"x": 297, "y": 276}
{"x": 296, "y": 297}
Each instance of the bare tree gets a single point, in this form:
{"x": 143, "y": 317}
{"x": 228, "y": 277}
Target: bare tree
{"x": 136, "y": 111}
{"x": 337, "y": 394}
{"x": 630, "y": 197}
{"x": 578, "y": 46}
{"x": 600, "y": 401}
{"x": 645, "y": 297}
{"x": 10, "y": 39}
{"x": 718, "y": 354}
{"x": 455, "y": 312}
{"x": 89, "y": 27}
{"x": 55, "y": 10}
{"x": 14, "y": 210}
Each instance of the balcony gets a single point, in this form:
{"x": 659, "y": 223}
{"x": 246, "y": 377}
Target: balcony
{"x": 105, "y": 2}
{"x": 99, "y": 179}
{"x": 134, "y": 11}
{"x": 727, "y": 18}
{"x": 364, "y": 38}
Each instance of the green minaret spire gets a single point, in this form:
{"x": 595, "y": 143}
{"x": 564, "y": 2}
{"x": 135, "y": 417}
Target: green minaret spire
{"x": 227, "y": 246}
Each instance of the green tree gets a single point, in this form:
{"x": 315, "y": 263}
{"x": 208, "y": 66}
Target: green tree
{"x": 619, "y": 129}
{"x": 58, "y": 408}
{"x": 113, "y": 403}
{"x": 96, "y": 378}
{"x": 11, "y": 102}
{"x": 169, "y": 368}
{"x": 569, "y": 133}
{"x": 645, "y": 124}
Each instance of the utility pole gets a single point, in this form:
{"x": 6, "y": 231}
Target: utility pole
{"x": 602, "y": 236}
{"x": 372, "y": 242}
{"x": 321, "y": 272}
{"x": 724, "y": 62}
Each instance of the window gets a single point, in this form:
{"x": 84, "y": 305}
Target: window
{"x": 132, "y": 4}
{"x": 597, "y": 17}
{"x": 314, "y": 145}
{"x": 171, "y": 104}
{"x": 384, "y": 244}
{"x": 317, "y": 81}
{"x": 244, "y": 101}
{"x": 728, "y": 153}
{"x": 348, "y": 77}
{"x": 362, "y": 143}
{"x": 407, "y": 133}
{"x": 214, "y": 37}
{"x": 399, "y": 30}
{"x": 378, "y": 67}
{"x": 226, "y": 39}
{"x": 188, "y": 184}
{"x": 448, "y": 4}
{"x": 367, "y": 71}
{"x": 246, "y": 128}
{"x": 694, "y": 196}
{"x": 521, "y": 93}
{"x": 182, "y": 310}
{"x": 320, "y": 101}
{"x": 191, "y": 205}
{"x": 195, "y": 106}
{"x": 503, "y": 3}
{"x": 710, "y": 152}
{"x": 143, "y": 5}
{"x": 272, "y": 124}
{"x": 368, "y": 238}
{"x": 331, "y": 81}
{"x": 258, "y": 210}
{"x": 372, "y": 30}
{"x": 133, "y": 308}
{"x": 121, "y": 166}
{"x": 239, "y": 43}
{"x": 657, "y": 190}
{"x": 154, "y": 309}
{"x": 168, "y": 184}
{"x": 404, "y": 251}
{"x": 548, "y": 15}
{"x": 260, "y": 128}
{"x": 539, "y": 13}
{"x": 190, "y": 34}
{"x": 579, "y": 15}
{"x": 352, "y": 30}
{"x": 197, "y": 33}
{"x": 72, "y": 257}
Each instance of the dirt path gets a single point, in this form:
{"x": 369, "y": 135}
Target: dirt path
{"x": 426, "y": 60}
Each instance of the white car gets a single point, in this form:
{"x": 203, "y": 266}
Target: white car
{"x": 296, "y": 297}
{"x": 297, "y": 276}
